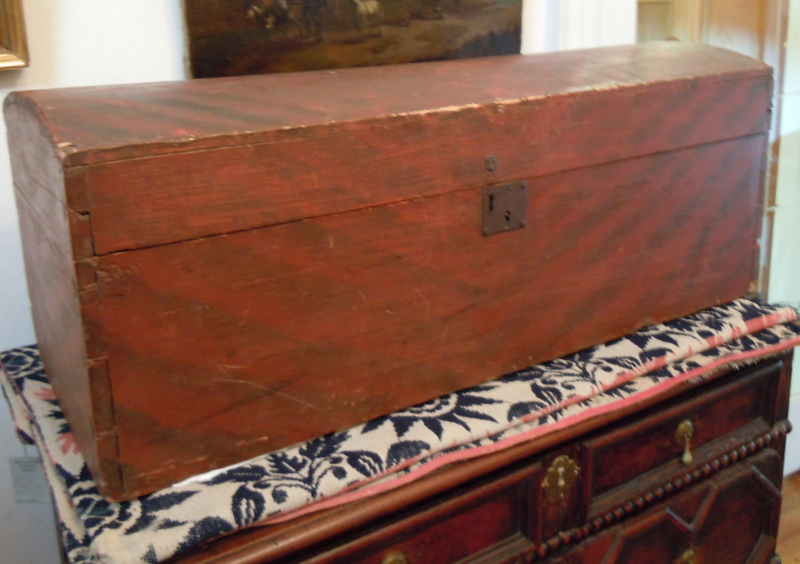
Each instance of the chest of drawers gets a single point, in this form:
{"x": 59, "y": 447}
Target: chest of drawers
{"x": 692, "y": 477}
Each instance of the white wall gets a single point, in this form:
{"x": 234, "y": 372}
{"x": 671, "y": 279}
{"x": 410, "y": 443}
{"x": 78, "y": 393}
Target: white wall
{"x": 554, "y": 25}
{"x": 90, "y": 42}
{"x": 72, "y": 43}
{"x": 784, "y": 283}
{"x": 785, "y": 273}
{"x": 78, "y": 43}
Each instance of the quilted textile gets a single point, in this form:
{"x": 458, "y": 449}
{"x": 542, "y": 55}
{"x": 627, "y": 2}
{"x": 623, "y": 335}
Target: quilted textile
{"x": 386, "y": 452}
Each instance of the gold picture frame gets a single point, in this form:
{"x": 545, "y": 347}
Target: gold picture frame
{"x": 13, "y": 42}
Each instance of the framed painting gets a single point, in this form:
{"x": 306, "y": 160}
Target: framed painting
{"x": 235, "y": 37}
{"x": 13, "y": 43}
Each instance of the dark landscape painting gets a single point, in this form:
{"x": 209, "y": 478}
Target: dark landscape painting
{"x": 234, "y": 37}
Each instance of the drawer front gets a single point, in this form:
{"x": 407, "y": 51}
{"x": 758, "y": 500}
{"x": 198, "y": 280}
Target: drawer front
{"x": 732, "y": 519}
{"x": 737, "y": 410}
{"x": 495, "y": 519}
{"x": 725, "y": 508}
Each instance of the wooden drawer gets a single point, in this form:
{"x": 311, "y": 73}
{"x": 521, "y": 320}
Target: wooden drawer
{"x": 730, "y": 519}
{"x": 645, "y": 451}
{"x": 480, "y": 525}
{"x": 632, "y": 501}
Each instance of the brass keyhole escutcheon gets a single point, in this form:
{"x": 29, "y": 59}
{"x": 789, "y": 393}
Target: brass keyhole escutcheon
{"x": 688, "y": 557}
{"x": 395, "y": 558}
{"x": 683, "y": 437}
{"x": 559, "y": 478}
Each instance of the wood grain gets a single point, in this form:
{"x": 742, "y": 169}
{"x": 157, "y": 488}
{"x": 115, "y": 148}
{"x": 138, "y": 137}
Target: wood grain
{"x": 497, "y": 515}
{"x": 311, "y": 147}
{"x": 100, "y": 124}
{"x": 253, "y": 262}
{"x": 328, "y": 322}
{"x": 729, "y": 519}
{"x": 45, "y": 226}
{"x": 652, "y": 441}
{"x": 789, "y": 532}
{"x": 391, "y": 159}
{"x": 757, "y": 28}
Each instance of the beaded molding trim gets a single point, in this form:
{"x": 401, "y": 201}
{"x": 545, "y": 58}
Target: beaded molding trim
{"x": 660, "y": 493}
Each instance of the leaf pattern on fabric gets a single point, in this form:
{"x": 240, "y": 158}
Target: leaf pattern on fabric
{"x": 282, "y": 463}
{"x": 522, "y": 409}
{"x": 405, "y": 450}
{"x": 279, "y": 496}
{"x": 169, "y": 524}
{"x": 156, "y": 527}
{"x": 161, "y": 502}
{"x": 456, "y": 409}
{"x": 247, "y": 506}
{"x": 365, "y": 462}
{"x": 324, "y": 446}
{"x": 240, "y": 474}
{"x": 205, "y": 530}
{"x": 150, "y": 556}
{"x": 152, "y": 506}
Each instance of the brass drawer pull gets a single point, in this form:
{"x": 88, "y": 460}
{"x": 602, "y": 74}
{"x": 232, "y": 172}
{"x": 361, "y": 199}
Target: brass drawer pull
{"x": 395, "y": 558}
{"x": 688, "y": 557}
{"x": 683, "y": 436}
{"x": 560, "y": 477}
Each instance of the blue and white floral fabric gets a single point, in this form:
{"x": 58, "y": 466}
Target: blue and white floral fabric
{"x": 384, "y": 453}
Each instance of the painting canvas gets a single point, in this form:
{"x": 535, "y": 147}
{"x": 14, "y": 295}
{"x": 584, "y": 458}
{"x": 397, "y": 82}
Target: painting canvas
{"x": 235, "y": 37}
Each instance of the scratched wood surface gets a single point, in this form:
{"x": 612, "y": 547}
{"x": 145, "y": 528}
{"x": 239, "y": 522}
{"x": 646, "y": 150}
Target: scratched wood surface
{"x": 253, "y": 269}
{"x": 324, "y": 143}
{"x": 52, "y": 284}
{"x": 175, "y": 117}
{"x": 324, "y": 322}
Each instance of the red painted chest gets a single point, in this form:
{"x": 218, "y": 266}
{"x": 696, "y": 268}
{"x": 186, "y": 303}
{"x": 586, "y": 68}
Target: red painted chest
{"x": 219, "y": 268}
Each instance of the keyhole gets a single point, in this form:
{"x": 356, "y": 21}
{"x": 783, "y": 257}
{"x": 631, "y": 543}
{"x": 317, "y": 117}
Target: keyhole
{"x": 503, "y": 207}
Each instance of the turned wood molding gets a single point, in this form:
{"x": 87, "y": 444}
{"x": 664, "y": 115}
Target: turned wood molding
{"x": 665, "y": 491}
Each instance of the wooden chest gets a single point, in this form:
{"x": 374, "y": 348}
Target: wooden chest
{"x": 220, "y": 268}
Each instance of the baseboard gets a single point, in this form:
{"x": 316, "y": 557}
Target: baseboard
{"x": 792, "y": 458}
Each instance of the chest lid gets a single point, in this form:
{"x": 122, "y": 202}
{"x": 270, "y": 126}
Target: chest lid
{"x": 161, "y": 163}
